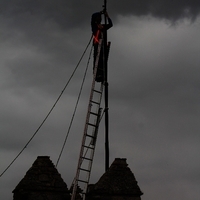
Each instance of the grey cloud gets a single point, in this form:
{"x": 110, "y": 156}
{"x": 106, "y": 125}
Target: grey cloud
{"x": 153, "y": 90}
{"x": 77, "y": 13}
{"x": 172, "y": 10}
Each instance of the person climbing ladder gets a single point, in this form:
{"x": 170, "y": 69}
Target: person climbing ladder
{"x": 97, "y": 31}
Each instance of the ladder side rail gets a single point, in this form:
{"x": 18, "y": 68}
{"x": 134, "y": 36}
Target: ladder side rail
{"x": 93, "y": 142}
{"x": 86, "y": 124}
{"x": 94, "y": 138}
{"x": 96, "y": 125}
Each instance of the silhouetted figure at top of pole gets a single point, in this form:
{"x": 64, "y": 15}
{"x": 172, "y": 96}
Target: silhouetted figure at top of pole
{"x": 97, "y": 30}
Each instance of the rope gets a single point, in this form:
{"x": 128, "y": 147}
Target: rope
{"x": 81, "y": 88}
{"x": 48, "y": 112}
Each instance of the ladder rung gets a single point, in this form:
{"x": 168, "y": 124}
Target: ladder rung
{"x": 94, "y": 113}
{"x": 95, "y": 102}
{"x": 86, "y": 158}
{"x": 86, "y": 170}
{"x": 88, "y": 146}
{"x": 97, "y": 91}
{"x": 91, "y": 125}
{"x": 91, "y": 136}
{"x": 82, "y": 181}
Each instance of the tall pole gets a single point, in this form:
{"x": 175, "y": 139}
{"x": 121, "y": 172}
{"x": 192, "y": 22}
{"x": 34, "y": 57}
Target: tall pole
{"x": 105, "y": 50}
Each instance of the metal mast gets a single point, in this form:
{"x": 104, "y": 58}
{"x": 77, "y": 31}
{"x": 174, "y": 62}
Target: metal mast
{"x": 105, "y": 49}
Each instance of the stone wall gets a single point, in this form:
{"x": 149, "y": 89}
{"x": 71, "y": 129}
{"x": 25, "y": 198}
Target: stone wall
{"x": 118, "y": 183}
{"x": 42, "y": 182}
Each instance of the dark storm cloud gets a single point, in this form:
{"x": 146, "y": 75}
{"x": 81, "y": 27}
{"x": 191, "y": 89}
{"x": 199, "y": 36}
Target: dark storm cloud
{"x": 33, "y": 38}
{"x": 154, "y": 89}
{"x": 76, "y": 13}
{"x": 168, "y": 9}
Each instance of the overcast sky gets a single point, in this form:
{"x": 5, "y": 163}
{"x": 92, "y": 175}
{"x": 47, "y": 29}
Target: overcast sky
{"x": 154, "y": 90}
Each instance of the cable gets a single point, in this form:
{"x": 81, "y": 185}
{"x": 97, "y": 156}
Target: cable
{"x": 75, "y": 108}
{"x": 48, "y": 112}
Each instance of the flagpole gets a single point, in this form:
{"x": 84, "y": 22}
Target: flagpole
{"x": 106, "y": 91}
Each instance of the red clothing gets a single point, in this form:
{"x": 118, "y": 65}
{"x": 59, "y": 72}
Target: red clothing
{"x": 97, "y": 31}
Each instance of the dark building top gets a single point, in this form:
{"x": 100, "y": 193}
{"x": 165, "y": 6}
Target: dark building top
{"x": 44, "y": 179}
{"x": 43, "y": 182}
{"x": 118, "y": 180}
